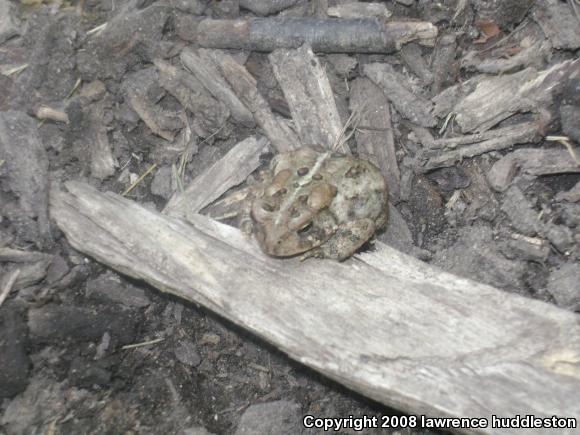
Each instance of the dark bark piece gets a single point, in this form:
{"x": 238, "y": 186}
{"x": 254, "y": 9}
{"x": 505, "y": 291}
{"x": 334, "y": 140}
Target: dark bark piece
{"x": 9, "y": 22}
{"x": 229, "y": 171}
{"x": 130, "y": 38}
{"x": 505, "y": 13}
{"x": 509, "y": 355}
{"x": 517, "y": 134}
{"x": 54, "y": 323}
{"x": 25, "y": 174}
{"x": 559, "y": 22}
{"x": 210, "y": 114}
{"x": 413, "y": 57}
{"x": 205, "y": 70}
{"x": 137, "y": 88}
{"x": 563, "y": 285}
{"x": 309, "y": 96}
{"x": 14, "y": 359}
{"x": 532, "y": 56}
{"x": 530, "y": 161}
{"x": 497, "y": 98}
{"x": 443, "y": 65}
{"x": 324, "y": 35}
{"x": 374, "y": 132}
{"x": 572, "y": 195}
{"x": 528, "y": 222}
{"x": 569, "y": 116}
{"x": 527, "y": 248}
{"x": 410, "y": 106}
{"x": 244, "y": 85}
{"x": 267, "y": 7}
{"x": 520, "y": 212}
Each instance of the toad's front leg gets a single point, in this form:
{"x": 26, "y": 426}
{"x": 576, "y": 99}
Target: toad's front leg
{"x": 348, "y": 238}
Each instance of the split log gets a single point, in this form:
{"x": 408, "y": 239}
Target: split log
{"x": 229, "y": 171}
{"x": 386, "y": 325}
{"x": 323, "y": 35}
{"x": 309, "y": 96}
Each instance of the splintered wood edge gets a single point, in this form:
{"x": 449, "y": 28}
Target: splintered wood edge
{"x": 388, "y": 326}
{"x": 308, "y": 93}
{"x": 229, "y": 171}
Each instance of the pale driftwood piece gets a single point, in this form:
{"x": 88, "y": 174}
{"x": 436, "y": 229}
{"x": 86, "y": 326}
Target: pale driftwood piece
{"x": 412, "y": 107}
{"x": 245, "y": 87}
{"x": 323, "y": 35}
{"x": 530, "y": 161}
{"x": 309, "y": 96}
{"x": 527, "y": 132}
{"x": 357, "y": 9}
{"x": 497, "y": 98}
{"x": 390, "y": 327}
{"x": 103, "y": 162}
{"x": 267, "y": 7}
{"x": 374, "y": 132}
{"x": 229, "y": 171}
{"x": 203, "y": 67}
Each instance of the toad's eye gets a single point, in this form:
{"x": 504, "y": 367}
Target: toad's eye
{"x": 305, "y": 228}
{"x": 302, "y": 171}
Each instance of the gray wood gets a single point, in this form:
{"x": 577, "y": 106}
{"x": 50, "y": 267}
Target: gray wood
{"x": 429, "y": 159}
{"x": 326, "y": 35}
{"x": 203, "y": 67}
{"x": 309, "y": 96}
{"x": 413, "y": 107}
{"x": 245, "y": 87}
{"x": 386, "y": 325}
{"x": 231, "y": 170}
{"x": 103, "y": 162}
{"x": 530, "y": 161}
{"x": 497, "y": 98}
{"x": 374, "y": 132}
{"x": 24, "y": 173}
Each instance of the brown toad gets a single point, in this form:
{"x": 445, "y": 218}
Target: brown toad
{"x": 318, "y": 203}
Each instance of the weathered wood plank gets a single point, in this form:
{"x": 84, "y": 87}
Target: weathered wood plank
{"x": 201, "y": 64}
{"x": 386, "y": 325}
{"x": 245, "y": 87}
{"x": 231, "y": 170}
{"x": 309, "y": 95}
